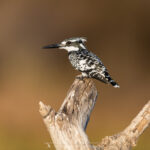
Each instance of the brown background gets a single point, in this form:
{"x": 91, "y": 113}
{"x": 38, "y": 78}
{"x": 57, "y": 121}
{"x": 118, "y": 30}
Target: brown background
{"x": 117, "y": 31}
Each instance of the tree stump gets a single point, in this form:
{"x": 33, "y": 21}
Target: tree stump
{"x": 67, "y": 126}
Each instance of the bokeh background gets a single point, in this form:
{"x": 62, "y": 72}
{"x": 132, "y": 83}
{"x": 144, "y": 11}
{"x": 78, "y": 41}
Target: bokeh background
{"x": 117, "y": 31}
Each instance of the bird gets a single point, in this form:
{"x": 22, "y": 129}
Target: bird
{"x": 84, "y": 60}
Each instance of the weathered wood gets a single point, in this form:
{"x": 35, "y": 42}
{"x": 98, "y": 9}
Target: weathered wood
{"x": 67, "y": 125}
{"x": 126, "y": 139}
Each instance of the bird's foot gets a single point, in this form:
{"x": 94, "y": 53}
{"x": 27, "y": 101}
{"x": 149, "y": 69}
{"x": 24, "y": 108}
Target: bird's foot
{"x": 80, "y": 77}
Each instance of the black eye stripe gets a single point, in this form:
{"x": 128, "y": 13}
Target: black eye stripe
{"x": 68, "y": 43}
{"x": 80, "y": 41}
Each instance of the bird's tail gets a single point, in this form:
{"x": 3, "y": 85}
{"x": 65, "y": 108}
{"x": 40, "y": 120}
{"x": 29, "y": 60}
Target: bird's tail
{"x": 106, "y": 78}
{"x": 111, "y": 81}
{"x": 114, "y": 84}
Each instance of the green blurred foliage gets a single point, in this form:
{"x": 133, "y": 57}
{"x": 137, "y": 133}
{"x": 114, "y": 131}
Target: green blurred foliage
{"x": 117, "y": 31}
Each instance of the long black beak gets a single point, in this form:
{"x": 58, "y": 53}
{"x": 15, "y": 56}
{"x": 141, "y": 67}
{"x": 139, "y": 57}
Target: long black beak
{"x": 51, "y": 46}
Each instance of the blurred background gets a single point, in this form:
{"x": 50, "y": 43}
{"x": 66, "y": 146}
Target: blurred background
{"x": 117, "y": 31}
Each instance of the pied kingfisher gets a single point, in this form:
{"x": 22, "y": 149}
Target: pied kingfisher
{"x": 83, "y": 60}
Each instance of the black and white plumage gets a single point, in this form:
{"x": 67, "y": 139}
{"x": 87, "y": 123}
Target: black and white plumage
{"x": 85, "y": 61}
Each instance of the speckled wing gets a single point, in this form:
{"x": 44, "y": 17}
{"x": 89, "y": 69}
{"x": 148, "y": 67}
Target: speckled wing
{"x": 93, "y": 66}
{"x": 98, "y": 71}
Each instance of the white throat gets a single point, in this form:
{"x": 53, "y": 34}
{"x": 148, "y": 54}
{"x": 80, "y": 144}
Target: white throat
{"x": 70, "y": 48}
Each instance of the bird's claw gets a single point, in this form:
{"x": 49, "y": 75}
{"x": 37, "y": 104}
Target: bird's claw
{"x": 80, "y": 77}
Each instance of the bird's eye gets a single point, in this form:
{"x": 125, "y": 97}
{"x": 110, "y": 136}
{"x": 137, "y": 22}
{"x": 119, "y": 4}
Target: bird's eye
{"x": 80, "y": 41}
{"x": 68, "y": 43}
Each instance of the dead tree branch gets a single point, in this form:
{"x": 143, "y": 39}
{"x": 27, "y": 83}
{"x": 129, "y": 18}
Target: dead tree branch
{"x": 67, "y": 126}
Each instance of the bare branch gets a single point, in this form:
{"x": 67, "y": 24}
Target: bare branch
{"x": 126, "y": 139}
{"x": 67, "y": 126}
